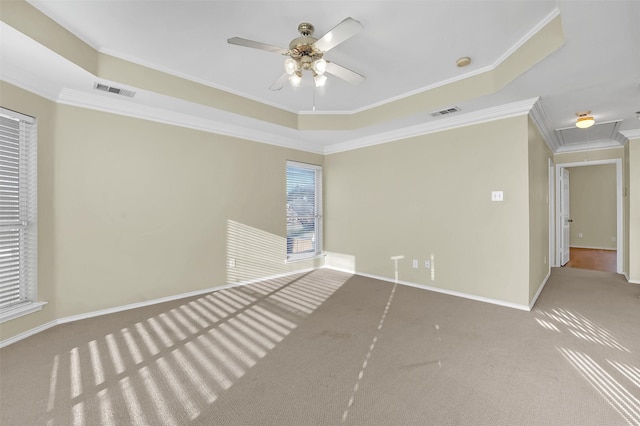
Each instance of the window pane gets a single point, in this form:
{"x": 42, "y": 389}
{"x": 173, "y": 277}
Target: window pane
{"x": 18, "y": 210}
{"x": 303, "y": 183}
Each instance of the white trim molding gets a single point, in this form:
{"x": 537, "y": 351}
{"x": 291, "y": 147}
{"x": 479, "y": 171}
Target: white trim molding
{"x": 539, "y": 292}
{"x": 541, "y": 120}
{"x": 20, "y": 310}
{"x": 630, "y": 134}
{"x": 459, "y": 120}
{"x": 448, "y": 292}
{"x": 136, "y": 305}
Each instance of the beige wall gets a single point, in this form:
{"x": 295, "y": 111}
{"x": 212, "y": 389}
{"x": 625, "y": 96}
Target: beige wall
{"x": 133, "y": 210}
{"x": 144, "y": 210}
{"x": 431, "y": 195}
{"x": 539, "y": 228}
{"x": 633, "y": 193}
{"x": 626, "y": 207}
{"x": 601, "y": 154}
{"x": 593, "y": 206}
{"x": 45, "y": 111}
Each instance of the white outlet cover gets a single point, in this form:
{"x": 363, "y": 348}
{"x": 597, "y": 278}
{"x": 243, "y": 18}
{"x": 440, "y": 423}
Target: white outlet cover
{"x": 497, "y": 195}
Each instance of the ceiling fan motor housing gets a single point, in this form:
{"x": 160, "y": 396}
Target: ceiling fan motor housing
{"x": 302, "y": 49}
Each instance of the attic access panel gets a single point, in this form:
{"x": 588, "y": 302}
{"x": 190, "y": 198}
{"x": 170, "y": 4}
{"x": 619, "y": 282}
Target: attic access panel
{"x": 598, "y": 132}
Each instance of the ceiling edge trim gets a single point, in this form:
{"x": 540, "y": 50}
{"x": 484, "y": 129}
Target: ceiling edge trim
{"x": 542, "y": 43}
{"x": 133, "y": 74}
{"x": 590, "y": 146}
{"x": 490, "y": 114}
{"x": 540, "y": 119}
{"x": 510, "y": 51}
{"x": 622, "y": 139}
{"x": 104, "y": 103}
{"x": 631, "y": 134}
{"x": 50, "y": 95}
{"x": 192, "y": 78}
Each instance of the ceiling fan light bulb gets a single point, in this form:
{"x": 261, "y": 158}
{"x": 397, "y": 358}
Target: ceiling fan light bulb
{"x": 295, "y": 80}
{"x": 320, "y": 66}
{"x": 290, "y": 66}
{"x": 320, "y": 80}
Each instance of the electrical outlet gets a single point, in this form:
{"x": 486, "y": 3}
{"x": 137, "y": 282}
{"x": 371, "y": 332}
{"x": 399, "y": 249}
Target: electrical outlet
{"x": 497, "y": 195}
{"x": 415, "y": 263}
{"x": 579, "y": 235}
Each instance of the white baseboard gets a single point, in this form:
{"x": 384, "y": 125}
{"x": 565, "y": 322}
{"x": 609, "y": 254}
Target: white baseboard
{"x": 136, "y": 305}
{"x": 594, "y": 248}
{"x": 28, "y": 333}
{"x": 444, "y": 291}
{"x": 535, "y": 298}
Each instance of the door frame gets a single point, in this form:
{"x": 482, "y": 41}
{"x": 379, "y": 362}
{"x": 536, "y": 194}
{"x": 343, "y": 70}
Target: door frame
{"x": 619, "y": 210}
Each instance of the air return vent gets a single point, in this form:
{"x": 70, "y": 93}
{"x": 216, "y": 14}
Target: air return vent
{"x": 445, "y": 111}
{"x": 116, "y": 90}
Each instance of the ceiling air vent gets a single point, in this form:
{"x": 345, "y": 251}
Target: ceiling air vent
{"x": 116, "y": 90}
{"x": 445, "y": 111}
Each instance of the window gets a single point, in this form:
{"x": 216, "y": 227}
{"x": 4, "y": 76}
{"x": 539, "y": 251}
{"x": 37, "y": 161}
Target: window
{"x": 304, "y": 210}
{"x": 18, "y": 214}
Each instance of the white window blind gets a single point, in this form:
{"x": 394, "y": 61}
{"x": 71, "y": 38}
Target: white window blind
{"x": 18, "y": 211}
{"x": 304, "y": 210}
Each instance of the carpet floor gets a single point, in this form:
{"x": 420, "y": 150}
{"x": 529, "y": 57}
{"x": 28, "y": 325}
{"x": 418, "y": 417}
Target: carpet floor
{"x": 329, "y": 348}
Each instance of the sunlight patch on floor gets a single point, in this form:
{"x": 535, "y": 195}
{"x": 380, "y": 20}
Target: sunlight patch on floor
{"x": 579, "y": 326}
{"x": 188, "y": 355}
{"x": 623, "y": 401}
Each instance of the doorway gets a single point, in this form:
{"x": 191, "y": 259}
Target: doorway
{"x": 593, "y": 259}
{"x": 562, "y": 254}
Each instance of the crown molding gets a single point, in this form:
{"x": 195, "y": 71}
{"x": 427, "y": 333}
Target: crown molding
{"x": 491, "y": 67}
{"x": 189, "y": 77}
{"x": 490, "y": 114}
{"x": 627, "y": 135}
{"x": 27, "y": 84}
{"x": 540, "y": 119}
{"x": 111, "y": 104}
{"x": 589, "y": 146}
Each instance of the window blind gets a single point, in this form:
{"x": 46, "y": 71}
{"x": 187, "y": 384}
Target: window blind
{"x": 18, "y": 242}
{"x": 304, "y": 210}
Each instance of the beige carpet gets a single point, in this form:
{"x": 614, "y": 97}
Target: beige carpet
{"x": 326, "y": 348}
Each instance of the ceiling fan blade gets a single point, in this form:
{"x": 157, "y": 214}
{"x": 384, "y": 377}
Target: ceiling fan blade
{"x": 344, "y": 73}
{"x": 279, "y": 83}
{"x": 341, "y": 32}
{"x": 257, "y": 45}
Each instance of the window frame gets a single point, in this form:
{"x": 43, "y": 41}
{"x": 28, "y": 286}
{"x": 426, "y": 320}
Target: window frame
{"x": 317, "y": 214}
{"x": 27, "y": 221}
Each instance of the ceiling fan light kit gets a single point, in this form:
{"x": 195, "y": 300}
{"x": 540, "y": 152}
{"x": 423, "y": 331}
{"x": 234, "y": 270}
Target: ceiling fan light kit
{"x": 306, "y": 53}
{"x": 584, "y": 120}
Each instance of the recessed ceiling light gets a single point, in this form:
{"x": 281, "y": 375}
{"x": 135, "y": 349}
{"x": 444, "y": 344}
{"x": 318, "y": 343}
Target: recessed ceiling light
{"x": 463, "y": 62}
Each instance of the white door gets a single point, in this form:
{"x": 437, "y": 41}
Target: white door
{"x": 565, "y": 219}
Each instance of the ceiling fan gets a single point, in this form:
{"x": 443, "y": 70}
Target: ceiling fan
{"x": 306, "y": 53}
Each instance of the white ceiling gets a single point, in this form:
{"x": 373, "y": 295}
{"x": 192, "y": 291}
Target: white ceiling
{"x": 406, "y": 47}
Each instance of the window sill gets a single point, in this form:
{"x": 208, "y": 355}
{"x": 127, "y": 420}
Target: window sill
{"x": 314, "y": 256}
{"x": 17, "y": 311}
